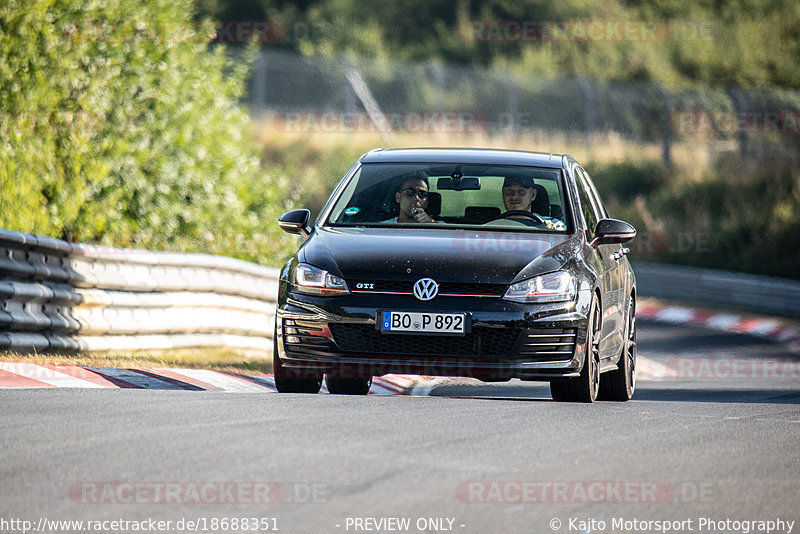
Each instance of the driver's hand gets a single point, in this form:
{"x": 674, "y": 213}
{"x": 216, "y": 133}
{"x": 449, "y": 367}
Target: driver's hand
{"x": 550, "y": 225}
{"x": 422, "y": 217}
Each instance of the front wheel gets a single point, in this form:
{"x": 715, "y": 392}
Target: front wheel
{"x": 348, "y": 386}
{"x": 619, "y": 385}
{"x": 292, "y": 380}
{"x": 584, "y": 388}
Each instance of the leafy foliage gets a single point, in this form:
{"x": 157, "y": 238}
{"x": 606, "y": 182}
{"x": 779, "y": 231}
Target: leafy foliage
{"x": 118, "y": 125}
{"x": 741, "y": 216}
{"x": 750, "y": 43}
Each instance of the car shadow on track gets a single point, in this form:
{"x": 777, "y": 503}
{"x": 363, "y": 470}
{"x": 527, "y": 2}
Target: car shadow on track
{"x": 719, "y": 394}
{"x": 515, "y": 390}
{"x": 666, "y": 391}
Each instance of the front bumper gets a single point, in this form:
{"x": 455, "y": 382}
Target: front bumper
{"x": 507, "y": 339}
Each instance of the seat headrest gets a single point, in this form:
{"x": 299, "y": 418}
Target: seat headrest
{"x": 434, "y": 204}
{"x": 541, "y": 204}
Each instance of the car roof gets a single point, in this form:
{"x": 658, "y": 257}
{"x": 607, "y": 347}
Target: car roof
{"x": 463, "y": 155}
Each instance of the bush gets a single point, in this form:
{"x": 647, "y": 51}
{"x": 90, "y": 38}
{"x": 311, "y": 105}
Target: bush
{"x": 627, "y": 179}
{"x": 742, "y": 216}
{"x": 118, "y": 125}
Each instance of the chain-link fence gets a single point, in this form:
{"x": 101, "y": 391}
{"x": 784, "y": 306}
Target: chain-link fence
{"x": 313, "y": 92}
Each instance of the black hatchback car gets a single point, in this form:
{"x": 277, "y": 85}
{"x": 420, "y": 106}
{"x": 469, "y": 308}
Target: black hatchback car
{"x": 457, "y": 262}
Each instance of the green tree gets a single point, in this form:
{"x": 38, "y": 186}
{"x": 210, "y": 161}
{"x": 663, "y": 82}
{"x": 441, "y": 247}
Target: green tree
{"x": 119, "y": 125}
{"x": 752, "y": 43}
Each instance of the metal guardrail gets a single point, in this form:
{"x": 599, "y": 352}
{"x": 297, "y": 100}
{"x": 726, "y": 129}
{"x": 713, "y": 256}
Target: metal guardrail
{"x": 726, "y": 289}
{"x": 59, "y": 296}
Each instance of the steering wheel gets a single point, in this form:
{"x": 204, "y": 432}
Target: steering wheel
{"x": 514, "y": 213}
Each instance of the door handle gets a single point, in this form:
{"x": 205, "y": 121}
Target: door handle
{"x": 618, "y": 254}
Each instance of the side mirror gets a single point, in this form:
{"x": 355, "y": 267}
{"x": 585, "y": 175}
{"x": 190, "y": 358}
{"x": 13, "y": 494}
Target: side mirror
{"x": 295, "y": 222}
{"x": 610, "y": 231}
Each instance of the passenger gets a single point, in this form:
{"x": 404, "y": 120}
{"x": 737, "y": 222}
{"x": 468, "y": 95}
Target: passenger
{"x": 519, "y": 194}
{"x": 413, "y": 199}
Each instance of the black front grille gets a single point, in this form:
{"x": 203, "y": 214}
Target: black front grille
{"x": 457, "y": 288}
{"x": 473, "y": 289}
{"x": 355, "y": 338}
{"x": 548, "y": 344}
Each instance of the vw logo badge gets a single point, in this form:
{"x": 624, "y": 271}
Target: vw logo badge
{"x": 426, "y": 288}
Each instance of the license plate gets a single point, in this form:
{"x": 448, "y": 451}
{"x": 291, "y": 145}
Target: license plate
{"x": 425, "y": 323}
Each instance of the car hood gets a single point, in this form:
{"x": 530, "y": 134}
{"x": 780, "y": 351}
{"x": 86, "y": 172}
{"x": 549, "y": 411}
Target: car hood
{"x": 451, "y": 255}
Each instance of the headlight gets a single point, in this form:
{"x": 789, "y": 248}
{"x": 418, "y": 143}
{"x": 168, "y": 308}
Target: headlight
{"x": 312, "y": 280}
{"x": 552, "y": 287}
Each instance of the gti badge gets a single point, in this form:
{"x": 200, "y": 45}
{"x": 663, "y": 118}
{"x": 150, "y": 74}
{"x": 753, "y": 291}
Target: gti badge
{"x": 426, "y": 288}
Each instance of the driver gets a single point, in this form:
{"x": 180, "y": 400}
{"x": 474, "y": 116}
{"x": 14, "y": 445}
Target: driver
{"x": 412, "y": 196}
{"x": 518, "y": 195}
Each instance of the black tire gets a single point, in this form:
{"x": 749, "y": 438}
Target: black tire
{"x": 289, "y": 380}
{"x": 619, "y": 385}
{"x": 348, "y": 386}
{"x": 585, "y": 387}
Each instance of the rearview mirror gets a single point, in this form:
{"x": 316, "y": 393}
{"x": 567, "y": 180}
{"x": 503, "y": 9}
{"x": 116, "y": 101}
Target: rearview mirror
{"x": 295, "y": 222}
{"x": 460, "y": 183}
{"x": 610, "y": 231}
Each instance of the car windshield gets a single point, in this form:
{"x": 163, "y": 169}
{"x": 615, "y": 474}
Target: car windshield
{"x": 449, "y": 195}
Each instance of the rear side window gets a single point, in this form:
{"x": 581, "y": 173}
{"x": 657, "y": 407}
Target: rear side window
{"x": 598, "y": 203}
{"x": 588, "y": 207}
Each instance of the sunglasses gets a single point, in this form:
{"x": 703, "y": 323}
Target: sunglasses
{"x": 410, "y": 192}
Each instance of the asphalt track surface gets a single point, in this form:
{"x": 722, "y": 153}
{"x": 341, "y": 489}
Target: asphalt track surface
{"x": 720, "y": 441}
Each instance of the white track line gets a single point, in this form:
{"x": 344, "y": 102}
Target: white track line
{"x": 46, "y": 375}
{"x": 224, "y": 382}
{"x": 676, "y": 315}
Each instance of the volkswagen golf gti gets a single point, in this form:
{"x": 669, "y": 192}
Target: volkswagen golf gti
{"x": 488, "y": 264}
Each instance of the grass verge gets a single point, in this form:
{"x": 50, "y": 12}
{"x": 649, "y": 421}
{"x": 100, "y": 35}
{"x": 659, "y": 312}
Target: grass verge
{"x": 226, "y": 360}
